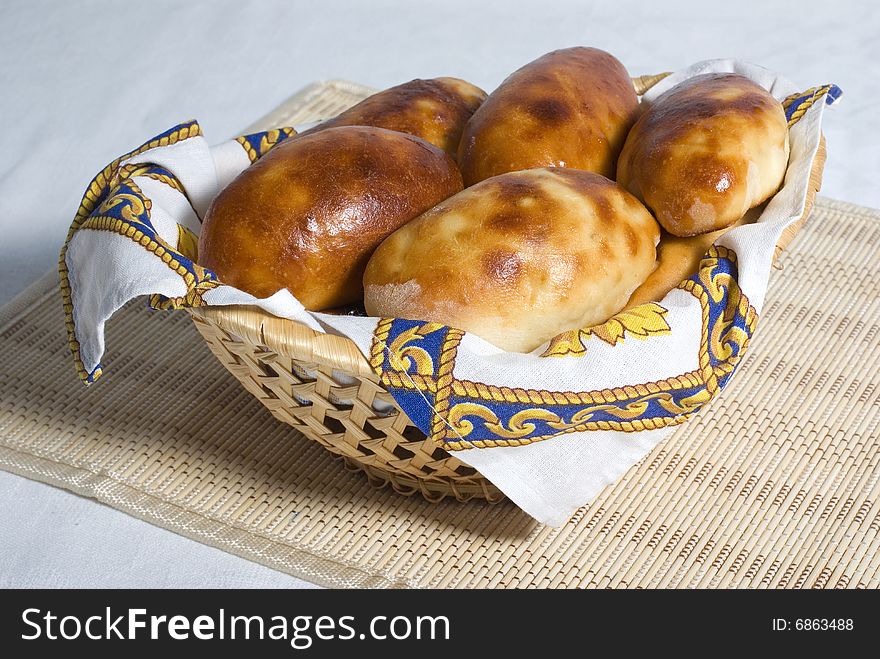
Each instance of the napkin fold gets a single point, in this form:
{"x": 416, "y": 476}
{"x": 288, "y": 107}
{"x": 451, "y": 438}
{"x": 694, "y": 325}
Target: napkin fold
{"x": 549, "y": 428}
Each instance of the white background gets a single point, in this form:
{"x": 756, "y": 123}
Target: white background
{"x": 83, "y": 82}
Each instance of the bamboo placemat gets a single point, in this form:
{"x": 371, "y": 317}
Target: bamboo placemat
{"x": 774, "y": 485}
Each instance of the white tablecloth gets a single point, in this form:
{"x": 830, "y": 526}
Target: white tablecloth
{"x": 83, "y": 82}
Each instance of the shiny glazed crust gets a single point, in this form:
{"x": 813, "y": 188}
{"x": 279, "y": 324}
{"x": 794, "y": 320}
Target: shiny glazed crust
{"x": 705, "y": 152}
{"x": 569, "y": 108}
{"x": 518, "y": 258}
{"x": 308, "y": 214}
{"x": 435, "y": 110}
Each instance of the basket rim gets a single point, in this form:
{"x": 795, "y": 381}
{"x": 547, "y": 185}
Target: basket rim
{"x": 298, "y": 341}
{"x": 288, "y": 337}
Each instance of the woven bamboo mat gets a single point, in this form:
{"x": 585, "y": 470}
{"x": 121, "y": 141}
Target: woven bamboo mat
{"x": 774, "y": 485}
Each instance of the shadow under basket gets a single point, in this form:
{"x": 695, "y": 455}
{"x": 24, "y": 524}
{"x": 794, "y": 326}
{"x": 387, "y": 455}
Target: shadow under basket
{"x": 324, "y": 387}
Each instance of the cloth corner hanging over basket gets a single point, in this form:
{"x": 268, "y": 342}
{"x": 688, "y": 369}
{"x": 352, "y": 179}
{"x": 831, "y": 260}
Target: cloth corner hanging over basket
{"x": 547, "y": 429}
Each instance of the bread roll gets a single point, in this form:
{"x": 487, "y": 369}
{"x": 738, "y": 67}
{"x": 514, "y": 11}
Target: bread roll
{"x": 308, "y": 214}
{"x": 569, "y": 108}
{"x": 679, "y": 258}
{"x": 518, "y": 258}
{"x": 705, "y": 152}
{"x": 435, "y": 110}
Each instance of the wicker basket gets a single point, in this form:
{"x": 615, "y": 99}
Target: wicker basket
{"x": 323, "y": 386}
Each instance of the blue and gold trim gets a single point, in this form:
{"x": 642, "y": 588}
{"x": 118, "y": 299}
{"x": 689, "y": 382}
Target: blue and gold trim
{"x": 114, "y": 202}
{"x": 96, "y": 194}
{"x": 796, "y": 105}
{"x": 257, "y": 145}
{"x": 415, "y": 361}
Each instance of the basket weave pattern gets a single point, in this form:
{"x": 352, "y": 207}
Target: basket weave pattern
{"x": 323, "y": 386}
{"x": 342, "y": 417}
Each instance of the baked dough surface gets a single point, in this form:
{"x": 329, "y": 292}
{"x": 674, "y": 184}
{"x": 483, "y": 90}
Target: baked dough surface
{"x": 308, "y": 214}
{"x": 569, "y": 108}
{"x": 518, "y": 258}
{"x": 705, "y": 152}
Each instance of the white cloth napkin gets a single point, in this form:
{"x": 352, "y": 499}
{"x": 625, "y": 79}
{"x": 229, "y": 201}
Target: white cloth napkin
{"x": 550, "y": 428}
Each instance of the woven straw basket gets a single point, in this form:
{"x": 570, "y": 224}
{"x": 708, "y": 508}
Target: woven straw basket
{"x": 323, "y": 386}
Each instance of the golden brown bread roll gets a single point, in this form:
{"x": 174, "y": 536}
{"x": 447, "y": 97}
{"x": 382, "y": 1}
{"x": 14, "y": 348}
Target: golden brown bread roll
{"x": 705, "y": 152}
{"x": 308, "y": 214}
{"x": 518, "y": 258}
{"x": 569, "y": 108}
{"x": 435, "y": 110}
